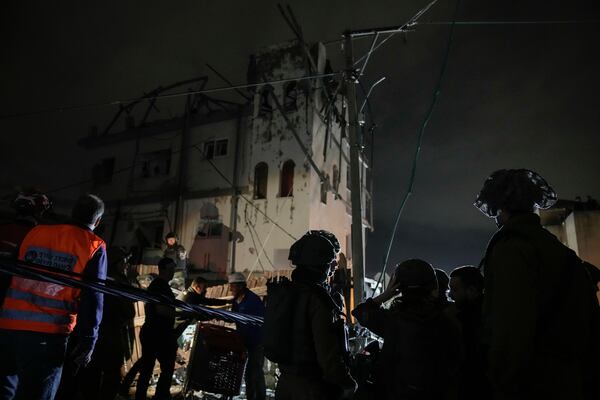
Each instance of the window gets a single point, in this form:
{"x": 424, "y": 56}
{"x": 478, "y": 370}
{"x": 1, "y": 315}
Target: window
{"x": 215, "y": 148}
{"x": 157, "y": 163}
{"x": 261, "y": 176}
{"x": 286, "y": 185}
{"x": 336, "y": 177}
{"x": 291, "y": 97}
{"x": 103, "y": 171}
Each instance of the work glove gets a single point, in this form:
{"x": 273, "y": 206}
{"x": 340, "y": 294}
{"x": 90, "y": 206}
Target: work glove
{"x": 81, "y": 355}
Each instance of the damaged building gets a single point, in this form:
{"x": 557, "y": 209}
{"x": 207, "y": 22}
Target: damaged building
{"x": 237, "y": 181}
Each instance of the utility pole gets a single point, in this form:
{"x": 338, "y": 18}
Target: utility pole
{"x": 358, "y": 265}
{"x": 236, "y": 192}
{"x": 183, "y": 167}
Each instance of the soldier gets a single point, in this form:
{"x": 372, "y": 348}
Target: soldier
{"x": 302, "y": 327}
{"x": 422, "y": 346}
{"x": 539, "y": 307}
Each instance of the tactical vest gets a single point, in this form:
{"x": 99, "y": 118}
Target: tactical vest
{"x": 38, "y": 306}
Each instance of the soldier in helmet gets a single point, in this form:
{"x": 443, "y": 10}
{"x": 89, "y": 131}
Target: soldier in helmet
{"x": 301, "y": 329}
{"x": 175, "y": 251}
{"x": 422, "y": 345}
{"x": 540, "y": 317}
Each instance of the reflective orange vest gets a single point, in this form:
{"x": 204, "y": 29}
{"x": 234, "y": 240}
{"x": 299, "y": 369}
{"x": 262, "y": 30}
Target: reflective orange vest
{"x": 37, "y": 306}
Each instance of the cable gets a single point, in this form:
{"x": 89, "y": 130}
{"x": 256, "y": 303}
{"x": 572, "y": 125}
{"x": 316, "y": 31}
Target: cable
{"x": 411, "y": 22}
{"x": 108, "y": 286}
{"x": 555, "y": 22}
{"x": 118, "y": 171}
{"x": 413, "y": 173}
{"x": 253, "y": 243}
{"x": 165, "y": 96}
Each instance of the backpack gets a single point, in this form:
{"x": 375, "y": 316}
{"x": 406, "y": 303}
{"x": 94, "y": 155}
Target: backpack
{"x": 279, "y": 321}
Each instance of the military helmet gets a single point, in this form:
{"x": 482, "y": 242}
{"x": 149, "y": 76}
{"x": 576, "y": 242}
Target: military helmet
{"x": 329, "y": 236}
{"x": 514, "y": 190}
{"x": 31, "y": 203}
{"x": 415, "y": 274}
{"x": 313, "y": 249}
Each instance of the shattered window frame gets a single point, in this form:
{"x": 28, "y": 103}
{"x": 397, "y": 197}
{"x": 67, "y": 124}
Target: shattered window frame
{"x": 215, "y": 148}
{"x": 286, "y": 180}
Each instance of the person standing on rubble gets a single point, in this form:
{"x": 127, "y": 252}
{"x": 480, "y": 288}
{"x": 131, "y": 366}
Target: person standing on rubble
{"x": 247, "y": 302}
{"x": 37, "y": 317}
{"x": 421, "y": 351}
{"x": 303, "y": 327}
{"x": 157, "y": 336}
{"x": 178, "y": 254}
{"x": 541, "y": 320}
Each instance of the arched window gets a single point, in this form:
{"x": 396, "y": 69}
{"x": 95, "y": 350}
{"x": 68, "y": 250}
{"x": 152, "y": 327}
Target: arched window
{"x": 261, "y": 176}
{"x": 286, "y": 185}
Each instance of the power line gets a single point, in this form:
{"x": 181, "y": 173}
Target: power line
{"x": 165, "y": 96}
{"x": 538, "y": 22}
{"x": 392, "y": 32}
{"x": 409, "y": 190}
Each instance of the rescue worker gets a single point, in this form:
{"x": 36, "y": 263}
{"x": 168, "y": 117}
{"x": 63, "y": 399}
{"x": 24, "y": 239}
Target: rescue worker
{"x": 196, "y": 294}
{"x": 37, "y": 317}
{"x": 29, "y": 208}
{"x": 303, "y": 327}
{"x": 539, "y": 314}
{"x": 101, "y": 379}
{"x": 466, "y": 289}
{"x": 157, "y": 336}
{"x": 422, "y": 346}
{"x": 247, "y": 302}
{"x": 178, "y": 254}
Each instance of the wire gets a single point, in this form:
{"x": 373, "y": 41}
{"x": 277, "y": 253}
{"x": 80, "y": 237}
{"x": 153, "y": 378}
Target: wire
{"x": 555, "y": 22}
{"x": 411, "y": 182}
{"x": 118, "y": 171}
{"x": 403, "y": 28}
{"x": 108, "y": 286}
{"x": 166, "y": 96}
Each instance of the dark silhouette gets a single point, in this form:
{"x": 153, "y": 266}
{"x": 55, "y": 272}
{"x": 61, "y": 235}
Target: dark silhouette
{"x": 303, "y": 330}
{"x": 466, "y": 289}
{"x": 157, "y": 336}
{"x": 421, "y": 352}
{"x": 540, "y": 313}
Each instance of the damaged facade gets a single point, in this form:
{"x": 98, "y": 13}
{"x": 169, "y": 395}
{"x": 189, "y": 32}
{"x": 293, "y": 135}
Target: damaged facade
{"x": 185, "y": 169}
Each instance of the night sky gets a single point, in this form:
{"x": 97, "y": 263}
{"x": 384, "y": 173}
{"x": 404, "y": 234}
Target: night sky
{"x": 513, "y": 95}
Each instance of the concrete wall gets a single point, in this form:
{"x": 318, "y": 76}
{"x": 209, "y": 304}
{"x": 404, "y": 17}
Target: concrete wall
{"x": 587, "y": 225}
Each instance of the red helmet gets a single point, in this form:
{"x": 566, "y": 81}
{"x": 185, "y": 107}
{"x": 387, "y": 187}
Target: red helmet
{"x": 31, "y": 203}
